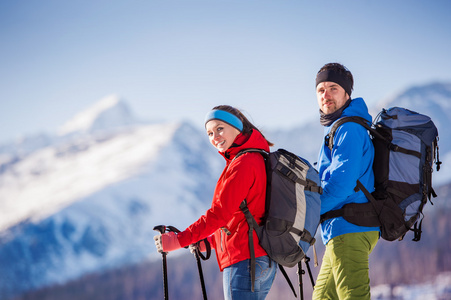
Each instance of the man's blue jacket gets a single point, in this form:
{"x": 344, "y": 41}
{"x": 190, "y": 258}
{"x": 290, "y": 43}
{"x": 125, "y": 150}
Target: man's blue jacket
{"x": 351, "y": 159}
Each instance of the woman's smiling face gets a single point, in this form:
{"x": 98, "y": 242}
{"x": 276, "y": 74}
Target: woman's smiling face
{"x": 221, "y": 134}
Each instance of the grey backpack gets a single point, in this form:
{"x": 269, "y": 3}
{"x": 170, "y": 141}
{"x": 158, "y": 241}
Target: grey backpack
{"x": 405, "y": 144}
{"x": 292, "y": 209}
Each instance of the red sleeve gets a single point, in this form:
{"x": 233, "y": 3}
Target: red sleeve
{"x": 232, "y": 188}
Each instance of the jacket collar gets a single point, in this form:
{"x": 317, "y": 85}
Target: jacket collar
{"x": 254, "y": 140}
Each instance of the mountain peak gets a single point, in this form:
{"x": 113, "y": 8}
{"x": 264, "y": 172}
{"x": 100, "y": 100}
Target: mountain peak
{"x": 110, "y": 112}
{"x": 431, "y": 95}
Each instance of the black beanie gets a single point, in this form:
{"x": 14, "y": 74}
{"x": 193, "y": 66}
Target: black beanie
{"x": 333, "y": 76}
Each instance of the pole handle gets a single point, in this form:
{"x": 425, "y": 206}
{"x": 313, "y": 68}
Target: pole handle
{"x": 160, "y": 228}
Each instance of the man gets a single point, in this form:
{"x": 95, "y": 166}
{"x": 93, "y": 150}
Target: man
{"x": 344, "y": 271}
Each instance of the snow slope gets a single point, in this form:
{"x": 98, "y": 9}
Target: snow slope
{"x": 53, "y": 177}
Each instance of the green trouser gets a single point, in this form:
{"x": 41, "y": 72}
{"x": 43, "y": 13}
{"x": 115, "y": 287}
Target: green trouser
{"x": 344, "y": 270}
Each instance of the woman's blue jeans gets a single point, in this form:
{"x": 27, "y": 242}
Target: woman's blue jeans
{"x": 237, "y": 279}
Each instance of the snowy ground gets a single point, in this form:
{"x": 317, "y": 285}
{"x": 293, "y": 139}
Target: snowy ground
{"x": 437, "y": 289}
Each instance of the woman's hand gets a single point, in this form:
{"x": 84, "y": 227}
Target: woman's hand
{"x": 167, "y": 242}
{"x": 199, "y": 245}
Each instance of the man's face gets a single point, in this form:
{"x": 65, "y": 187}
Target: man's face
{"x": 331, "y": 96}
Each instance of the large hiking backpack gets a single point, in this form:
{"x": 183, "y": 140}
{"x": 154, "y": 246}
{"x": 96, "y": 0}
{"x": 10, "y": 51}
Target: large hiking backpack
{"x": 292, "y": 209}
{"x": 405, "y": 144}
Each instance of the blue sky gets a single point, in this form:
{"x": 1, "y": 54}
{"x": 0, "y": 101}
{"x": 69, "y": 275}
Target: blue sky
{"x": 176, "y": 59}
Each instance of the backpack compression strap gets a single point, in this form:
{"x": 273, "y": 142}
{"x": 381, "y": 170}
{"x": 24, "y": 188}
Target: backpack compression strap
{"x": 309, "y": 185}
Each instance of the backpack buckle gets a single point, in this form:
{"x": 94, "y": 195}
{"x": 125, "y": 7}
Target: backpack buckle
{"x": 326, "y": 140}
{"x": 393, "y": 147}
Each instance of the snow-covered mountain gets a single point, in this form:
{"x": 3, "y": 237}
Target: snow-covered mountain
{"x": 90, "y": 202}
{"x": 86, "y": 198}
{"x": 109, "y": 113}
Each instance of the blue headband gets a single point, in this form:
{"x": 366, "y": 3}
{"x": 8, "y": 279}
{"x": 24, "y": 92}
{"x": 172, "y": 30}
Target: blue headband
{"x": 225, "y": 116}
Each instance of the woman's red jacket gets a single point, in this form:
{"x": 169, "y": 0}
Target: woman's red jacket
{"x": 243, "y": 178}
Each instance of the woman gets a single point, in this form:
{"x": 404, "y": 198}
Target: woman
{"x": 224, "y": 223}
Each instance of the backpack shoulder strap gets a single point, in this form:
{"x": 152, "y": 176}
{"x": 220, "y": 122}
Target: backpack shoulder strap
{"x": 329, "y": 139}
{"x": 262, "y": 152}
{"x": 252, "y": 224}
{"x": 267, "y": 168}
{"x": 249, "y": 217}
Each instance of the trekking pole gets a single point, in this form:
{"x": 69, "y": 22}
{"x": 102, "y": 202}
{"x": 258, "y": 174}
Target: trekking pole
{"x": 300, "y": 274}
{"x": 307, "y": 259}
{"x": 201, "y": 275}
{"x": 161, "y": 229}
{"x": 197, "y": 254}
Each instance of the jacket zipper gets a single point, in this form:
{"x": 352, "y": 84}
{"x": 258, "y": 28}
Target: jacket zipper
{"x": 224, "y": 229}
{"x": 222, "y": 249}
